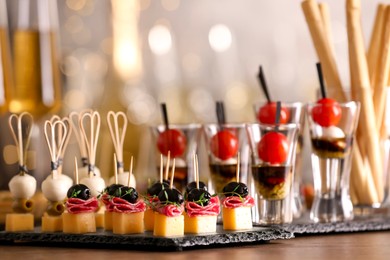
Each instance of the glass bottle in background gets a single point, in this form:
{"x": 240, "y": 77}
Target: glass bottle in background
{"x": 36, "y": 88}
{"x": 5, "y": 58}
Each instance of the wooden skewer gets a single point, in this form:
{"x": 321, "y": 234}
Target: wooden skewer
{"x": 76, "y": 171}
{"x": 16, "y": 128}
{"x": 238, "y": 167}
{"x": 196, "y": 169}
{"x": 161, "y": 169}
{"x": 75, "y": 118}
{"x": 55, "y": 141}
{"x": 91, "y": 140}
{"x": 130, "y": 171}
{"x": 167, "y": 166}
{"x": 115, "y": 169}
{"x": 173, "y": 174}
{"x": 117, "y": 134}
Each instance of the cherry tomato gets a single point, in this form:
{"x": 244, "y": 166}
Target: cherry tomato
{"x": 273, "y": 148}
{"x": 267, "y": 114}
{"x": 327, "y": 113}
{"x": 224, "y": 145}
{"x": 172, "y": 140}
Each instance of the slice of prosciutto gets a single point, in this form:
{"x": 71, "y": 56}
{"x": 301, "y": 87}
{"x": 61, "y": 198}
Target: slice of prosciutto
{"x": 194, "y": 210}
{"x": 170, "y": 210}
{"x": 236, "y": 202}
{"x": 120, "y": 205}
{"x": 75, "y": 205}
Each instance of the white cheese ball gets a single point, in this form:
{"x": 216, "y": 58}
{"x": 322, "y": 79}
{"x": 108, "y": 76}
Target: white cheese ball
{"x": 123, "y": 179}
{"x": 55, "y": 188}
{"x": 96, "y": 184}
{"x": 22, "y": 186}
{"x": 227, "y": 162}
{"x": 83, "y": 172}
{"x": 332, "y": 132}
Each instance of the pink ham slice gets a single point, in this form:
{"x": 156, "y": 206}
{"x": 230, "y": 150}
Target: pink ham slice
{"x": 212, "y": 209}
{"x": 235, "y": 202}
{"x": 170, "y": 210}
{"x": 123, "y": 206}
{"x": 75, "y": 205}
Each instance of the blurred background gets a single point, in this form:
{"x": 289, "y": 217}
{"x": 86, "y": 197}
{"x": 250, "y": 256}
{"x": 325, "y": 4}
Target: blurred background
{"x": 131, "y": 55}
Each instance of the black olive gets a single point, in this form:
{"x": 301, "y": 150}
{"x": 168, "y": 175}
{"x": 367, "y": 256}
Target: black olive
{"x": 79, "y": 191}
{"x": 192, "y": 185}
{"x": 170, "y": 196}
{"x": 155, "y": 189}
{"x": 127, "y": 193}
{"x": 199, "y": 196}
{"x": 235, "y": 189}
{"x": 110, "y": 190}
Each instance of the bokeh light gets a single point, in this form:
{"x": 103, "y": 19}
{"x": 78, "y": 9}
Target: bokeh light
{"x": 220, "y": 38}
{"x": 160, "y": 39}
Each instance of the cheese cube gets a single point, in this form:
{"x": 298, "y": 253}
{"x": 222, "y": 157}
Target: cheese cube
{"x": 78, "y": 223}
{"x": 149, "y": 220}
{"x": 168, "y": 226}
{"x": 51, "y": 223}
{"x": 127, "y": 223}
{"x": 237, "y": 219}
{"x": 108, "y": 220}
{"x": 99, "y": 219}
{"x": 200, "y": 224}
{"x": 15, "y": 222}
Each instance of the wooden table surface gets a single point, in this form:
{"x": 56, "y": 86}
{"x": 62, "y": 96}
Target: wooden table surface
{"x": 365, "y": 245}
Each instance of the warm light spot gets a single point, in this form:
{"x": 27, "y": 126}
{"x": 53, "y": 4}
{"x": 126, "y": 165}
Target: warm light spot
{"x": 201, "y": 103}
{"x": 75, "y": 5}
{"x": 144, "y": 4}
{"x": 10, "y": 154}
{"x": 141, "y": 106}
{"x": 220, "y": 38}
{"x": 75, "y": 100}
{"x": 170, "y": 5}
{"x": 191, "y": 62}
{"x": 70, "y": 66}
{"x": 82, "y": 37}
{"x": 74, "y": 24}
{"x": 95, "y": 64}
{"x": 237, "y": 96}
{"x": 160, "y": 40}
{"x": 106, "y": 45}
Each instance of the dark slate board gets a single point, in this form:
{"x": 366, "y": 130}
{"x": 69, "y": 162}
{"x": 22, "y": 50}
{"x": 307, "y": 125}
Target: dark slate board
{"x": 306, "y": 227}
{"x": 147, "y": 241}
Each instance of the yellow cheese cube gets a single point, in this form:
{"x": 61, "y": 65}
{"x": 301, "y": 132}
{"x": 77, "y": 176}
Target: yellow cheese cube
{"x": 99, "y": 219}
{"x": 149, "y": 220}
{"x": 78, "y": 223}
{"x": 51, "y": 223}
{"x": 237, "y": 219}
{"x": 200, "y": 224}
{"x": 168, "y": 226}
{"x": 127, "y": 223}
{"x": 108, "y": 220}
{"x": 15, "y": 222}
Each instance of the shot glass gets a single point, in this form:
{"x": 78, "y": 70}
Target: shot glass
{"x": 181, "y": 141}
{"x": 332, "y": 129}
{"x": 223, "y": 142}
{"x": 273, "y": 152}
{"x": 294, "y": 114}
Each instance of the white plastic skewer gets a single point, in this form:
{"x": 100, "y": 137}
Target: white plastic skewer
{"x": 161, "y": 168}
{"x": 173, "y": 174}
{"x": 130, "y": 171}
{"x": 76, "y": 171}
{"x": 115, "y": 169}
{"x": 167, "y": 166}
{"x": 238, "y": 167}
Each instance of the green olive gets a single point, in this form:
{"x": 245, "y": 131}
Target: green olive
{"x": 22, "y": 205}
{"x": 55, "y": 208}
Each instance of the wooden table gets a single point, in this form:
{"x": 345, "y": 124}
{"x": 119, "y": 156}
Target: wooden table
{"x": 365, "y": 245}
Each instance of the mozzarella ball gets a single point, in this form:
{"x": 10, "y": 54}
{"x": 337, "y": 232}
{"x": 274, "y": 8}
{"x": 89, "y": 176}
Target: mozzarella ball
{"x": 96, "y": 184}
{"x": 22, "y": 186}
{"x": 55, "y": 188}
{"x": 83, "y": 172}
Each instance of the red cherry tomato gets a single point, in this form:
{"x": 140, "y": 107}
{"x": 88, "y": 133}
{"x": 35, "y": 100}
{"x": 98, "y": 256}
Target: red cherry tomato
{"x": 172, "y": 140}
{"x": 224, "y": 145}
{"x": 273, "y": 148}
{"x": 327, "y": 113}
{"x": 267, "y": 114}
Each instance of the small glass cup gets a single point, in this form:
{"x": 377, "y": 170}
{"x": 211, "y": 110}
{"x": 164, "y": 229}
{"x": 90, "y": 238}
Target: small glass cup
{"x": 331, "y": 161}
{"x": 296, "y": 115}
{"x": 184, "y": 157}
{"x": 273, "y": 179}
{"x": 222, "y": 155}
